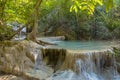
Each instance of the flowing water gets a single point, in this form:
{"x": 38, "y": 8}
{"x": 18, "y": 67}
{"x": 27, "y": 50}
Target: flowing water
{"x": 91, "y": 66}
{"x": 92, "y": 60}
{"x": 83, "y": 60}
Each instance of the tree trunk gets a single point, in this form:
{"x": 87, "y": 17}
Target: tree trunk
{"x": 32, "y": 36}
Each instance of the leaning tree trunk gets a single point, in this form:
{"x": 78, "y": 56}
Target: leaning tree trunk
{"x": 32, "y": 36}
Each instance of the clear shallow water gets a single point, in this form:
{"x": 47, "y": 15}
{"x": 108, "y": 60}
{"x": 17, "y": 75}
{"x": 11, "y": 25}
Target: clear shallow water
{"x": 84, "y": 45}
{"x": 90, "y": 67}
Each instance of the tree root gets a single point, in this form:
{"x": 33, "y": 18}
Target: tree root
{"x": 44, "y": 43}
{"x": 33, "y": 38}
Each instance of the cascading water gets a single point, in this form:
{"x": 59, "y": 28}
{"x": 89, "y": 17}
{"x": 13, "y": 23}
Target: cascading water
{"x": 70, "y": 65}
{"x": 40, "y": 71}
{"x": 97, "y": 67}
{"x": 38, "y": 61}
{"x": 21, "y": 34}
{"x": 88, "y": 66}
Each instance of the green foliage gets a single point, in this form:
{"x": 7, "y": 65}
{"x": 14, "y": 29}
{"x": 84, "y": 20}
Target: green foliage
{"x": 87, "y": 6}
{"x": 116, "y": 51}
{"x": 77, "y": 16}
{"x": 18, "y": 10}
{"x": 109, "y": 4}
{"x": 85, "y": 19}
{"x": 5, "y": 32}
{"x": 112, "y": 24}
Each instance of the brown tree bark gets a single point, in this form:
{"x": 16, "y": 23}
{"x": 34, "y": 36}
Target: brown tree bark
{"x": 32, "y": 36}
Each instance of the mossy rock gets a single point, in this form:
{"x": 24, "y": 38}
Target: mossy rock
{"x": 117, "y": 57}
{"x": 5, "y": 32}
{"x": 8, "y": 43}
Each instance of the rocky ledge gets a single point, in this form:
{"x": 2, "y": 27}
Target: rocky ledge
{"x": 26, "y": 60}
{"x": 17, "y": 61}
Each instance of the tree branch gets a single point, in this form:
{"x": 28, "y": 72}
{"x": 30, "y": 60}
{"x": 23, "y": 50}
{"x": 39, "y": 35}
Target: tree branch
{"x": 15, "y": 33}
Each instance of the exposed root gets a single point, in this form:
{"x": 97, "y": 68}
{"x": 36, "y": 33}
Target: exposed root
{"x": 32, "y": 37}
{"x": 44, "y": 43}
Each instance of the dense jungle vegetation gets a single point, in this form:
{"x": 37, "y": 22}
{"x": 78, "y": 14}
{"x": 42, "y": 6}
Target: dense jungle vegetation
{"x": 74, "y": 19}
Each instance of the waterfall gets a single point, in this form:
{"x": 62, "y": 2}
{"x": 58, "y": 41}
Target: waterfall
{"x": 39, "y": 70}
{"x": 21, "y": 34}
{"x": 38, "y": 60}
{"x": 99, "y": 65}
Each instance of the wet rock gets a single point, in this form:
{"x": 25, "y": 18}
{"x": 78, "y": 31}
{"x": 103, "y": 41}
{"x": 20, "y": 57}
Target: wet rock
{"x": 54, "y": 57}
{"x": 10, "y": 77}
{"x": 17, "y": 58}
{"x": 117, "y": 57}
{"x": 41, "y": 74}
{"x": 14, "y": 58}
{"x": 25, "y": 60}
{"x": 118, "y": 63}
{"x": 13, "y": 77}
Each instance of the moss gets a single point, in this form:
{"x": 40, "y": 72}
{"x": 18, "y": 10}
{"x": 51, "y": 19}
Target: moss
{"x": 116, "y": 50}
{"x": 117, "y": 57}
{"x": 5, "y": 32}
{"x": 8, "y": 43}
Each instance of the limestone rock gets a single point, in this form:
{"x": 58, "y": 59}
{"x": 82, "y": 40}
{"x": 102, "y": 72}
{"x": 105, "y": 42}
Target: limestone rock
{"x": 10, "y": 77}
{"x": 13, "y": 77}
{"x": 17, "y": 57}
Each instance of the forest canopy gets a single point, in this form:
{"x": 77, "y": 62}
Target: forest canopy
{"x": 75, "y": 19}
